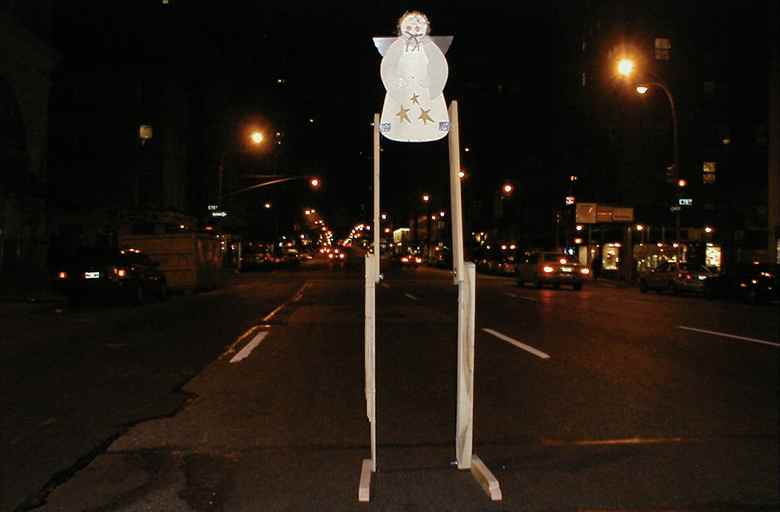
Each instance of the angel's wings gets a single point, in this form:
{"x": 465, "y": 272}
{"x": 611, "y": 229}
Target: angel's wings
{"x": 383, "y": 43}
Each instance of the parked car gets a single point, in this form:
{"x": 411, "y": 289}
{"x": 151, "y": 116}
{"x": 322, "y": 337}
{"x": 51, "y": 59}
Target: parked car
{"x": 127, "y": 274}
{"x": 751, "y": 282}
{"x": 677, "y": 277}
{"x": 540, "y": 268}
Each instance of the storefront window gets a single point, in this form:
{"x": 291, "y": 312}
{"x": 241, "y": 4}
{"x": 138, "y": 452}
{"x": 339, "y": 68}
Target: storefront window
{"x": 611, "y": 256}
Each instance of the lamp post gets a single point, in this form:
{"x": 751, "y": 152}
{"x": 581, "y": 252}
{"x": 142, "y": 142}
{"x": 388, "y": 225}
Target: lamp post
{"x": 642, "y": 88}
{"x": 426, "y": 198}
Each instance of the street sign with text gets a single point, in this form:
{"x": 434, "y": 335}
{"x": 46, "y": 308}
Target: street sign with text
{"x": 586, "y": 213}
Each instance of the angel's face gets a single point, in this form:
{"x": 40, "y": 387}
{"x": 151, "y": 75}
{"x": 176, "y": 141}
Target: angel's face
{"x": 414, "y": 25}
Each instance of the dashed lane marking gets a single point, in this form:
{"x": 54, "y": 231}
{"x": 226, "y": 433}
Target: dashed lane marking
{"x": 733, "y": 336}
{"x": 244, "y": 353}
{"x": 518, "y": 344}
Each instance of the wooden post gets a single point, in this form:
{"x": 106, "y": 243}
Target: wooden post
{"x": 372, "y": 276}
{"x": 377, "y": 249}
{"x": 466, "y": 318}
{"x": 465, "y": 402}
{"x": 455, "y": 198}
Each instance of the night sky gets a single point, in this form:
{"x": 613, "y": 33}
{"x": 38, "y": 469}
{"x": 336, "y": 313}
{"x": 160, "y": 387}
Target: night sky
{"x": 511, "y": 68}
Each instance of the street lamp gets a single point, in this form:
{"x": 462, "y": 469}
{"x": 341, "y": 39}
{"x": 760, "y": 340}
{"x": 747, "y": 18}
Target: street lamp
{"x": 256, "y": 137}
{"x": 426, "y": 198}
{"x": 314, "y": 182}
{"x": 508, "y": 188}
{"x": 625, "y": 67}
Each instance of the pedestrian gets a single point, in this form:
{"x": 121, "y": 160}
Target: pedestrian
{"x": 596, "y": 264}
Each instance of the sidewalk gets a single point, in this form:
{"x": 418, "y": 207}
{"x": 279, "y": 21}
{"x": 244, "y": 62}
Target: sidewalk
{"x": 25, "y": 287}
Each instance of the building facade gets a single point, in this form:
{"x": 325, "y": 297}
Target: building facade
{"x": 26, "y": 64}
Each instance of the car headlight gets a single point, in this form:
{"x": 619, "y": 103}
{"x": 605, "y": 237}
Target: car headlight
{"x": 585, "y": 271}
{"x": 702, "y": 278}
{"x": 548, "y": 269}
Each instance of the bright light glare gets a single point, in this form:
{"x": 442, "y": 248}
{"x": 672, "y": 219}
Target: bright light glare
{"x": 708, "y": 229}
{"x": 426, "y": 197}
{"x": 461, "y": 174}
{"x": 508, "y": 188}
{"x": 625, "y": 67}
{"x": 257, "y": 137}
{"x": 585, "y": 271}
{"x": 548, "y": 269}
{"x": 641, "y": 89}
{"x": 315, "y": 182}
{"x": 267, "y": 205}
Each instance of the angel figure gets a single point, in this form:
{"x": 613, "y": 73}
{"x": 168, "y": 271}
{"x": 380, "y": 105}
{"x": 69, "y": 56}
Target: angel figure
{"x": 414, "y": 72}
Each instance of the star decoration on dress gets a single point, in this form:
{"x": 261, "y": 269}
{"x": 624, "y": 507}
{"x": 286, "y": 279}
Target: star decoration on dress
{"x": 403, "y": 114}
{"x": 424, "y": 116}
{"x": 415, "y": 99}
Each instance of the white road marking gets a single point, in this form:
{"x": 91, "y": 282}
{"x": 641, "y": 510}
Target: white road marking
{"x": 298, "y": 296}
{"x": 734, "y": 336}
{"x": 411, "y": 296}
{"x": 274, "y": 312}
{"x": 232, "y": 348}
{"x": 244, "y": 353}
{"x": 518, "y": 344}
{"x": 620, "y": 442}
{"x": 522, "y": 297}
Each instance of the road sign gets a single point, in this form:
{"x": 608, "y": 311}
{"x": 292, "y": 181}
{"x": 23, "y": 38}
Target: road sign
{"x": 603, "y": 213}
{"x": 622, "y": 214}
{"x": 586, "y": 213}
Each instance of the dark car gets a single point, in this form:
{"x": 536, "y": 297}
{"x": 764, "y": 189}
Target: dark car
{"x": 127, "y": 274}
{"x": 540, "y": 268}
{"x": 752, "y": 283}
{"x": 677, "y": 277}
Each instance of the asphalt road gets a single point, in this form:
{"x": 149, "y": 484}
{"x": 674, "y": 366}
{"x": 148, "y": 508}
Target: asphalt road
{"x": 643, "y": 402}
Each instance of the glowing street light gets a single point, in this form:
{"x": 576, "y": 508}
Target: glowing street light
{"x": 426, "y": 198}
{"x": 314, "y": 182}
{"x": 708, "y": 229}
{"x": 461, "y": 174}
{"x": 682, "y": 183}
{"x": 267, "y": 206}
{"x": 640, "y": 227}
{"x": 625, "y": 67}
{"x": 257, "y": 137}
{"x": 508, "y": 188}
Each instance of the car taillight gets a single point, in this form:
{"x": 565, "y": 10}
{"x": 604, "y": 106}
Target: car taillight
{"x": 548, "y": 269}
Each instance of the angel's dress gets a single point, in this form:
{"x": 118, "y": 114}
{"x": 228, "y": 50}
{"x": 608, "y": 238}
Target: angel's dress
{"x": 414, "y": 108}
